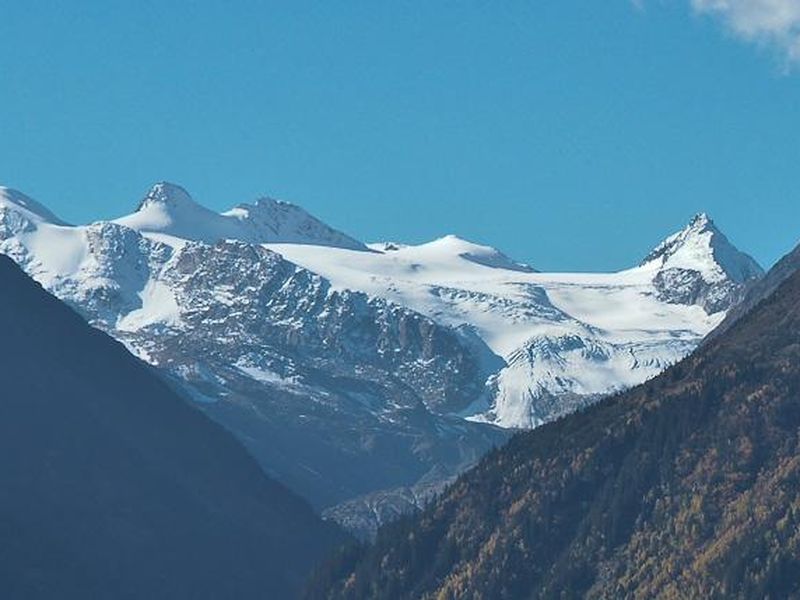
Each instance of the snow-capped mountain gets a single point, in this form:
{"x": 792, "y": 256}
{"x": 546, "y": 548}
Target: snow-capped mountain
{"x": 337, "y": 394}
{"x": 353, "y": 372}
{"x": 18, "y": 212}
{"x": 565, "y": 339}
{"x": 700, "y": 266}
{"x": 169, "y": 210}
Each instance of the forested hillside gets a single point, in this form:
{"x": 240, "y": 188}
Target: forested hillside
{"x": 685, "y": 487}
{"x": 114, "y": 487}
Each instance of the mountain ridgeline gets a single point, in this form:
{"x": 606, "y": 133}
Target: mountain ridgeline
{"x": 687, "y": 486}
{"x": 367, "y": 376}
{"x": 335, "y": 393}
{"x": 113, "y": 486}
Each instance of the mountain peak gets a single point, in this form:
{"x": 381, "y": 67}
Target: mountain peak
{"x": 268, "y": 202}
{"x": 486, "y": 256}
{"x": 702, "y": 247}
{"x": 169, "y": 209}
{"x": 268, "y": 220}
{"x": 30, "y": 208}
{"x": 701, "y": 221}
{"x": 166, "y": 194}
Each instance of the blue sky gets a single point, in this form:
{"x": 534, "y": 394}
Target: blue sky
{"x": 571, "y": 134}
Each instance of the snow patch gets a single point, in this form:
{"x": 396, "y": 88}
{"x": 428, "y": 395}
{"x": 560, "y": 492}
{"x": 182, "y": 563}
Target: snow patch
{"x": 159, "y": 306}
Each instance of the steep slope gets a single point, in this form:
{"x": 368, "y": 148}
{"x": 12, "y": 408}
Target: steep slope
{"x": 275, "y": 221}
{"x": 685, "y": 487}
{"x": 336, "y": 394}
{"x": 700, "y": 266}
{"x": 366, "y": 378}
{"x": 169, "y": 210}
{"x": 114, "y": 487}
{"x": 17, "y": 209}
{"x": 785, "y": 268}
{"x": 566, "y": 339}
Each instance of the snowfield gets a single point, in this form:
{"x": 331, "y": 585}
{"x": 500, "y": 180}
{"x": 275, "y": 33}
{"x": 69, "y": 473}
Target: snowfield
{"x": 559, "y": 340}
{"x": 574, "y": 336}
{"x": 367, "y": 376}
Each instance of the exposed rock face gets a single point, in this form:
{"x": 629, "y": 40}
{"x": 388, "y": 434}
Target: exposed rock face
{"x": 366, "y": 514}
{"x": 336, "y": 394}
{"x": 368, "y": 372}
{"x": 687, "y": 486}
{"x": 563, "y": 339}
{"x": 168, "y": 209}
{"x": 270, "y": 220}
{"x": 684, "y": 286}
{"x": 700, "y": 266}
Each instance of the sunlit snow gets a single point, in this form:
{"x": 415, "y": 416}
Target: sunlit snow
{"x": 560, "y": 337}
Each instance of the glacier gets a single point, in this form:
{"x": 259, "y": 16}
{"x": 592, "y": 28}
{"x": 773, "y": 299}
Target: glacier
{"x": 366, "y": 376}
{"x": 566, "y": 339}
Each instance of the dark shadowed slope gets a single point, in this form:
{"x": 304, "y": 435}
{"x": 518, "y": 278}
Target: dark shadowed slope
{"x": 113, "y": 487}
{"x": 759, "y": 290}
{"x": 685, "y": 487}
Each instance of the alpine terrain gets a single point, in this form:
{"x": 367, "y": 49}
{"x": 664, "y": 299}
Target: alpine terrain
{"x": 565, "y": 339}
{"x": 114, "y": 487}
{"x": 365, "y": 377}
{"x": 687, "y": 486}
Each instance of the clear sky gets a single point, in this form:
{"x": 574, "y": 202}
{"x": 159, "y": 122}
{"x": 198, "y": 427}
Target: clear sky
{"x": 572, "y": 134}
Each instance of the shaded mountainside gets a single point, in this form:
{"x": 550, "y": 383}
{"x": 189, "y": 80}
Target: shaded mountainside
{"x": 336, "y": 394}
{"x": 758, "y": 290}
{"x": 363, "y": 377}
{"x": 114, "y": 487}
{"x": 685, "y": 487}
